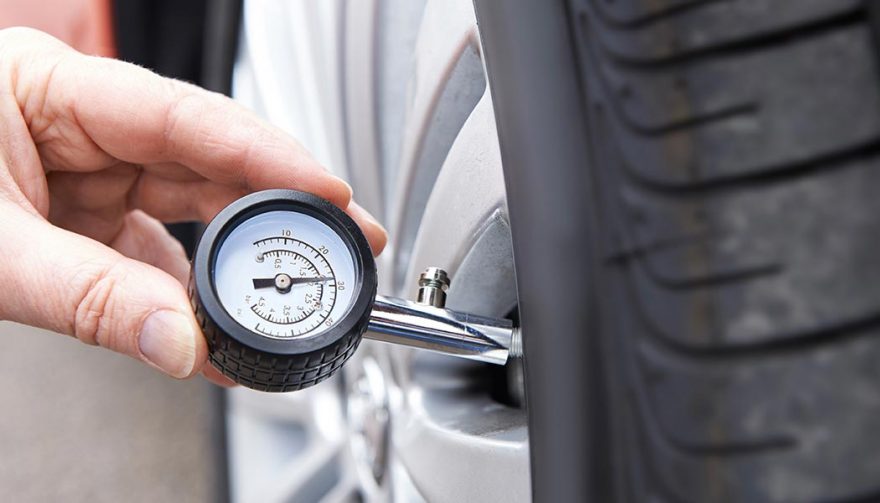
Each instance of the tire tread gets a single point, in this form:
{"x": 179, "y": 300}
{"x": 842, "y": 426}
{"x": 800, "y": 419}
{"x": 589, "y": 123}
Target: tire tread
{"x": 739, "y": 170}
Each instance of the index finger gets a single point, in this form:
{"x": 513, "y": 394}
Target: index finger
{"x": 137, "y": 116}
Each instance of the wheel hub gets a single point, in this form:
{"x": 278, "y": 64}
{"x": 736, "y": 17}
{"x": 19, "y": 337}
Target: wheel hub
{"x": 369, "y": 419}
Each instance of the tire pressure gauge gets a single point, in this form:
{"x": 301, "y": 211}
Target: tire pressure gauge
{"x": 283, "y": 285}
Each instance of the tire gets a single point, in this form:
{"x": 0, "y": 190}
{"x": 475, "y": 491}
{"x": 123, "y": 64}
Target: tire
{"x": 728, "y": 245}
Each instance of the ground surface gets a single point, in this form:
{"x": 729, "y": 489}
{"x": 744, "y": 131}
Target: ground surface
{"x": 78, "y": 423}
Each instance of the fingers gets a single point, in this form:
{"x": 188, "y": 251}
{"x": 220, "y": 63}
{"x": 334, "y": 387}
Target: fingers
{"x": 74, "y": 103}
{"x": 65, "y": 282}
{"x": 94, "y": 204}
{"x": 373, "y": 230}
{"x": 171, "y": 201}
{"x": 145, "y": 239}
{"x": 91, "y": 204}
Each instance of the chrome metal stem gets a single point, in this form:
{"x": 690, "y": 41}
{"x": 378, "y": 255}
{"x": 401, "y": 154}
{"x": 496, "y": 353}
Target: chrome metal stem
{"x": 450, "y": 332}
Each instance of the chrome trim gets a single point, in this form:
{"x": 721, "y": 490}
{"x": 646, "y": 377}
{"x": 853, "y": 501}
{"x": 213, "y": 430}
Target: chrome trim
{"x": 445, "y": 331}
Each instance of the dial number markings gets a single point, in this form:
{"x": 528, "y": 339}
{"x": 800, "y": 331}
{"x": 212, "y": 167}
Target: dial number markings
{"x": 285, "y": 275}
{"x": 299, "y": 297}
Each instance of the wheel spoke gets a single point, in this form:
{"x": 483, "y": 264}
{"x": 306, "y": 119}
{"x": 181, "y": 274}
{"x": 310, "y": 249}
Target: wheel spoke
{"x": 447, "y": 85}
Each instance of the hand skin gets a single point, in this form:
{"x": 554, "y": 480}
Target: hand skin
{"x": 94, "y": 155}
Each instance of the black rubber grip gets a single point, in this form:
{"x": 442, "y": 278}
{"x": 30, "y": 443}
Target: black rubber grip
{"x": 272, "y": 372}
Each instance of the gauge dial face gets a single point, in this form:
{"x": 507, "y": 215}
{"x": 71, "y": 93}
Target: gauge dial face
{"x": 285, "y": 275}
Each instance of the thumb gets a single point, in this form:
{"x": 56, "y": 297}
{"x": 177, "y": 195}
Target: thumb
{"x": 68, "y": 283}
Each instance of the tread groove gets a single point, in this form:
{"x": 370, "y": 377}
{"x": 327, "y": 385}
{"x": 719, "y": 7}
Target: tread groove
{"x": 718, "y": 279}
{"x": 625, "y": 254}
{"x": 783, "y": 346}
{"x": 754, "y": 43}
{"x": 730, "y": 449}
{"x": 764, "y": 176}
{"x": 644, "y": 20}
{"x": 676, "y": 125}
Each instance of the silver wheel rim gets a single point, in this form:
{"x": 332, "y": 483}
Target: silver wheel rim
{"x": 420, "y": 139}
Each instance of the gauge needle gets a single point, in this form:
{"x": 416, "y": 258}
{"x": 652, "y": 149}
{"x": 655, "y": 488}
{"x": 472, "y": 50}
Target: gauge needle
{"x": 271, "y": 282}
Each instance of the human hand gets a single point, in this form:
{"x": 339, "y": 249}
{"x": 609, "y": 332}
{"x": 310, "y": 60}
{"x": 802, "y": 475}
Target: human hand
{"x": 94, "y": 154}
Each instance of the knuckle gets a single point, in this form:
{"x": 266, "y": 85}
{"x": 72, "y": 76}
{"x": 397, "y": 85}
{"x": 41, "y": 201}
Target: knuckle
{"x": 200, "y": 121}
{"x": 93, "y": 319}
{"x": 185, "y": 104}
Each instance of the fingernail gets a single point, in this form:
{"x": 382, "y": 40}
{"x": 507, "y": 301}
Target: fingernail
{"x": 168, "y": 341}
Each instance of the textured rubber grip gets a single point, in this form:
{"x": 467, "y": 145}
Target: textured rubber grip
{"x": 271, "y": 372}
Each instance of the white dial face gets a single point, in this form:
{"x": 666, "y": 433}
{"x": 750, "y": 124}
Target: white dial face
{"x": 285, "y": 275}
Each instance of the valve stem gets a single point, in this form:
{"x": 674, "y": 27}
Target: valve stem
{"x": 433, "y": 284}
